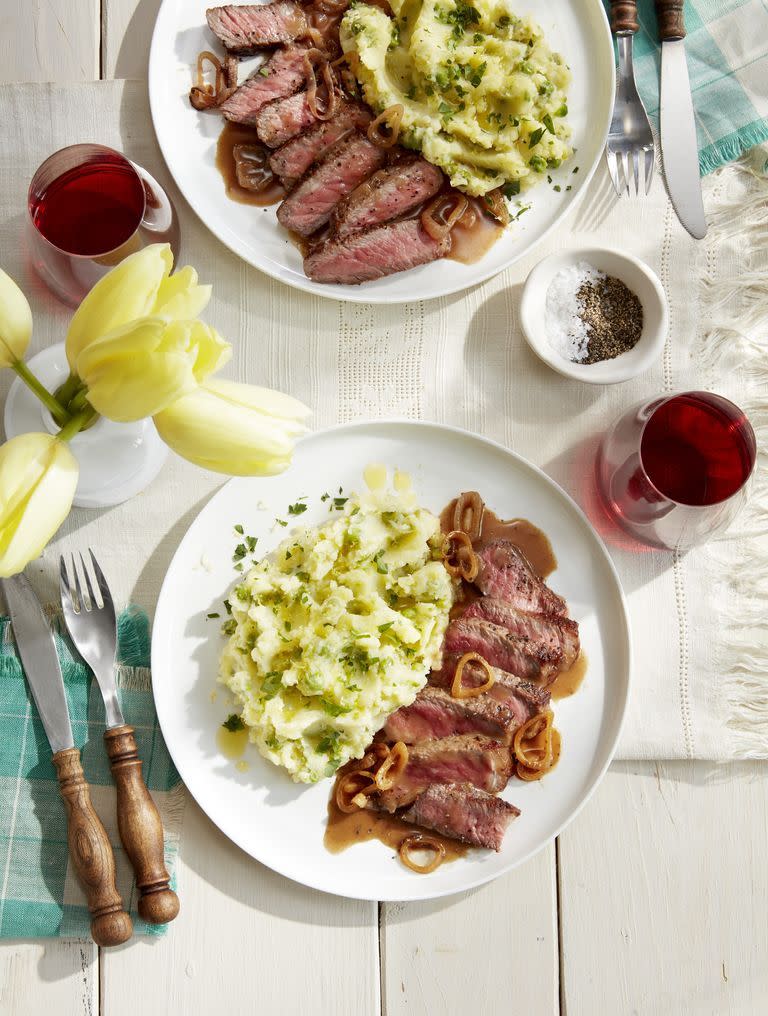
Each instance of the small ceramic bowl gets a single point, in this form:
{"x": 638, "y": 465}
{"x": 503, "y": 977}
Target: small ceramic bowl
{"x": 636, "y": 275}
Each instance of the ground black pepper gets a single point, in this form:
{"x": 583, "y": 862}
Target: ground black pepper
{"x": 613, "y": 316}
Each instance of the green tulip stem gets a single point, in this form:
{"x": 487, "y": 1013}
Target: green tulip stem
{"x": 68, "y": 389}
{"x": 78, "y": 401}
{"x": 77, "y": 423}
{"x": 58, "y": 412}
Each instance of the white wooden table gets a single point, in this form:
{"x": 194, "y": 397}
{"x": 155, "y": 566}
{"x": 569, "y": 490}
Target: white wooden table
{"x": 652, "y": 902}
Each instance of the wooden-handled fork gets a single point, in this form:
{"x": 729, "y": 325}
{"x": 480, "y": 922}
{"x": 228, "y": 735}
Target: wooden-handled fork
{"x": 92, "y": 623}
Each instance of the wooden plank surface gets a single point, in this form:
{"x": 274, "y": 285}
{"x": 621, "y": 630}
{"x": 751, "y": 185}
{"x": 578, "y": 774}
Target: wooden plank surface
{"x": 664, "y": 880}
{"x": 52, "y": 976}
{"x": 49, "y": 40}
{"x": 126, "y": 35}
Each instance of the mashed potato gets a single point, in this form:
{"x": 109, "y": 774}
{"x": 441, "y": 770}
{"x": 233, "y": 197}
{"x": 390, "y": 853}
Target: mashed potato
{"x": 335, "y": 630}
{"x": 484, "y": 96}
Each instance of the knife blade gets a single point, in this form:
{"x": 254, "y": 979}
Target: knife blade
{"x": 37, "y": 650}
{"x": 89, "y": 845}
{"x": 679, "y": 147}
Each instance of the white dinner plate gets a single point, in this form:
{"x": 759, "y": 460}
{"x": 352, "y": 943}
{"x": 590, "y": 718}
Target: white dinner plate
{"x": 281, "y": 823}
{"x": 578, "y": 29}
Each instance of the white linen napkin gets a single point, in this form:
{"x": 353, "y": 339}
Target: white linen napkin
{"x": 699, "y": 621}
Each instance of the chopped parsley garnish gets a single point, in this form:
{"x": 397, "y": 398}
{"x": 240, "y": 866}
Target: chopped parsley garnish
{"x": 325, "y": 497}
{"x": 339, "y": 502}
{"x": 510, "y": 189}
{"x": 504, "y": 21}
{"x": 264, "y": 71}
{"x": 239, "y": 529}
{"x": 281, "y": 522}
{"x": 250, "y": 542}
{"x": 535, "y": 137}
{"x": 271, "y": 684}
{"x": 385, "y": 627}
{"x": 304, "y": 576}
{"x": 297, "y": 509}
{"x": 229, "y": 627}
{"x": 333, "y": 709}
{"x": 239, "y": 552}
{"x": 233, "y": 723}
{"x": 557, "y": 188}
{"x": 547, "y": 121}
{"x": 381, "y": 568}
{"x": 328, "y": 743}
{"x": 213, "y": 614}
{"x": 411, "y": 93}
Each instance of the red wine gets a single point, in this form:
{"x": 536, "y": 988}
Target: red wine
{"x": 91, "y": 209}
{"x": 697, "y": 449}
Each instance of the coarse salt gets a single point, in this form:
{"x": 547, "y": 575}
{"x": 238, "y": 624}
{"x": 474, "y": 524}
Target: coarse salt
{"x": 567, "y": 332}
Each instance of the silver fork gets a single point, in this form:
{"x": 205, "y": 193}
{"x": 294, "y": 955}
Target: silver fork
{"x": 629, "y": 136}
{"x": 92, "y": 623}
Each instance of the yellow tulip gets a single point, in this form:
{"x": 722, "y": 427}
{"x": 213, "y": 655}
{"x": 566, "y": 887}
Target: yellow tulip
{"x": 141, "y": 368}
{"x": 15, "y": 322}
{"x": 140, "y": 286}
{"x": 234, "y": 428}
{"x": 38, "y": 476}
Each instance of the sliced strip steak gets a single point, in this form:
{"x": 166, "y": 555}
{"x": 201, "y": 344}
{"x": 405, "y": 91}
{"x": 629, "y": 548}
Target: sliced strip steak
{"x": 311, "y": 203}
{"x": 524, "y": 698}
{"x": 375, "y": 253}
{"x": 559, "y": 633}
{"x": 387, "y": 195}
{"x": 294, "y": 158}
{"x": 529, "y": 659}
{"x": 286, "y": 76}
{"x": 481, "y": 761}
{"x": 506, "y": 574}
{"x": 463, "y": 812}
{"x": 247, "y": 28}
{"x": 283, "y": 119}
{"x": 435, "y": 713}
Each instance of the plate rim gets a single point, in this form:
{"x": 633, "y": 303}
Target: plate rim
{"x": 358, "y": 294}
{"x": 626, "y": 640}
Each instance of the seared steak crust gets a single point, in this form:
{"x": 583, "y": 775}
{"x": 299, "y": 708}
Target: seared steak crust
{"x": 559, "y": 633}
{"x": 506, "y": 573}
{"x": 285, "y": 76}
{"x": 283, "y": 119}
{"x": 435, "y": 713}
{"x": 463, "y": 812}
{"x": 294, "y": 158}
{"x": 244, "y": 29}
{"x": 516, "y": 654}
{"x": 524, "y": 698}
{"x": 387, "y": 195}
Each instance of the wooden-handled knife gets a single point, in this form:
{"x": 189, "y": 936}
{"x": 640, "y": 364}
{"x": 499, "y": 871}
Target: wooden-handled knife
{"x": 89, "y": 846}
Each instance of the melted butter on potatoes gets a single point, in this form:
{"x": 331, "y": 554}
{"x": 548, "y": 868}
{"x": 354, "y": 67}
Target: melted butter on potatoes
{"x": 484, "y": 96}
{"x": 336, "y": 629}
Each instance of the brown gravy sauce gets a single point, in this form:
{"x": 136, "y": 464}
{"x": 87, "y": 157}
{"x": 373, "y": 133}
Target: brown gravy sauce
{"x": 569, "y": 681}
{"x": 343, "y": 830}
{"x": 524, "y": 534}
{"x": 470, "y": 243}
{"x": 238, "y": 134}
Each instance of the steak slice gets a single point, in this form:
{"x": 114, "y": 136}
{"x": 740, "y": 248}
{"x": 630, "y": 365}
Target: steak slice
{"x": 388, "y": 194}
{"x": 462, "y": 812}
{"x": 311, "y": 203}
{"x": 523, "y": 657}
{"x": 245, "y": 29}
{"x": 524, "y": 698}
{"x": 481, "y": 761}
{"x": 560, "y": 633}
{"x": 375, "y": 253}
{"x": 294, "y": 158}
{"x": 506, "y": 573}
{"x": 286, "y": 75}
{"x": 283, "y": 119}
{"x": 434, "y": 713}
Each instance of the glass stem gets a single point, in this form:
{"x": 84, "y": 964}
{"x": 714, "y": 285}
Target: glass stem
{"x": 77, "y": 423}
{"x": 57, "y": 411}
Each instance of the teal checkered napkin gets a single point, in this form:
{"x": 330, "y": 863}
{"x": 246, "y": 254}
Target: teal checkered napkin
{"x": 39, "y": 892}
{"x": 727, "y": 49}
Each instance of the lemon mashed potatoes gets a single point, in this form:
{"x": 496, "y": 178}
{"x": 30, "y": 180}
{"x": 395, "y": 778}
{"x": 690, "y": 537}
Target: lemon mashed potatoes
{"x": 336, "y": 629}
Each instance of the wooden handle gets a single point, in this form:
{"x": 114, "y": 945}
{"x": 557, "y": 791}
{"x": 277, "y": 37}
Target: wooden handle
{"x": 624, "y": 17}
{"x": 91, "y": 853}
{"x": 141, "y": 829}
{"x": 669, "y": 14}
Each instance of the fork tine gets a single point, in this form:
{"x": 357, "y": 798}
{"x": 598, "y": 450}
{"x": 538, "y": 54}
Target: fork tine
{"x": 625, "y": 164}
{"x": 649, "y": 167}
{"x": 78, "y": 589}
{"x": 64, "y": 590}
{"x": 106, "y": 596}
{"x": 636, "y": 170}
{"x": 610, "y": 158}
{"x": 93, "y": 602}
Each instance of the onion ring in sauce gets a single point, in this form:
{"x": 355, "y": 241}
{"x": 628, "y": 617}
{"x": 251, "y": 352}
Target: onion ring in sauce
{"x": 205, "y": 96}
{"x": 434, "y": 218}
{"x": 388, "y": 121}
{"x": 497, "y": 206}
{"x": 416, "y": 841}
{"x": 459, "y": 557}
{"x": 535, "y": 756}
{"x": 468, "y": 514}
{"x": 310, "y": 57}
{"x": 392, "y": 767}
{"x": 351, "y": 791}
{"x": 459, "y": 690}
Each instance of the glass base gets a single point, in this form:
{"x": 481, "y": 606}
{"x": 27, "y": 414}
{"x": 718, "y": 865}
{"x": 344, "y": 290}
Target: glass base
{"x": 117, "y": 460}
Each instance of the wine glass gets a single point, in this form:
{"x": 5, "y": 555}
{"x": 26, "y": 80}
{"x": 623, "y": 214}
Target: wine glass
{"x": 674, "y": 470}
{"x": 88, "y": 208}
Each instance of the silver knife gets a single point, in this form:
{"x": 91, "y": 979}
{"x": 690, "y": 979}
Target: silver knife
{"x": 679, "y": 147}
{"x": 89, "y": 845}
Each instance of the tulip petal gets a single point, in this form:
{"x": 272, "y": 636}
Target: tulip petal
{"x": 125, "y": 293}
{"x": 223, "y": 426}
{"x": 180, "y": 296}
{"x": 15, "y": 322}
{"x": 38, "y": 477}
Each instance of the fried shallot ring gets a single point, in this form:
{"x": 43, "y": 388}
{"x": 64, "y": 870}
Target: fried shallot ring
{"x": 524, "y": 773}
{"x": 205, "y": 96}
{"x": 468, "y": 514}
{"x": 311, "y": 57}
{"x": 385, "y": 129}
{"x": 459, "y": 557}
{"x": 497, "y": 207}
{"x": 440, "y": 216}
{"x": 533, "y": 744}
{"x": 417, "y": 841}
{"x": 352, "y": 789}
{"x": 459, "y": 690}
{"x": 392, "y": 767}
